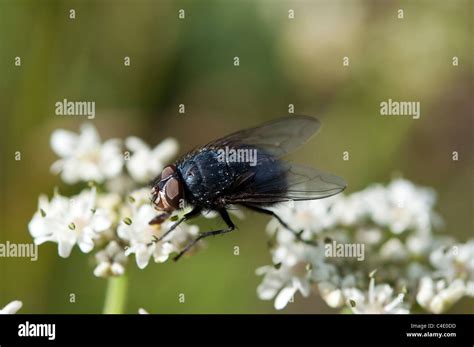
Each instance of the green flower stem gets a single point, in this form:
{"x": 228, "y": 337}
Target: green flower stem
{"x": 115, "y": 295}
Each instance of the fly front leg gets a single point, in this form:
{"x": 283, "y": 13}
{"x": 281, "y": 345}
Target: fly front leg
{"x": 193, "y": 213}
{"x": 230, "y": 227}
{"x": 159, "y": 218}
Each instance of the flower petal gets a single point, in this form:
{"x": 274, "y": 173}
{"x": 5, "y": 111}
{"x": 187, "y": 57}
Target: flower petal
{"x": 12, "y": 307}
{"x": 63, "y": 142}
{"x": 284, "y": 297}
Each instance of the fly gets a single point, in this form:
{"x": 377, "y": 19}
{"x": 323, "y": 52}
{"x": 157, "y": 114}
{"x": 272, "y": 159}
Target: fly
{"x": 244, "y": 168}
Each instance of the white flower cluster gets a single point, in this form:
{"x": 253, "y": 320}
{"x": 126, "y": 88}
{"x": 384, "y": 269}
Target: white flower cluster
{"x": 393, "y": 226}
{"x": 84, "y": 157}
{"x": 111, "y": 215}
{"x": 394, "y": 262}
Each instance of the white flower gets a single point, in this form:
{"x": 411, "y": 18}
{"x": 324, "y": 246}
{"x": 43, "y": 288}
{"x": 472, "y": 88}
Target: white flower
{"x": 146, "y": 163}
{"x": 142, "y": 311}
{"x": 456, "y": 261}
{"x": 12, "y": 308}
{"x": 346, "y": 210}
{"x": 438, "y": 296}
{"x": 311, "y": 216}
{"x": 400, "y": 206}
{"x": 69, "y": 221}
{"x": 331, "y": 294}
{"x": 291, "y": 274}
{"x": 139, "y": 233}
{"x": 470, "y": 288}
{"x": 370, "y": 217}
{"x": 393, "y": 250}
{"x": 419, "y": 244}
{"x": 330, "y": 284}
{"x": 182, "y": 236}
{"x": 121, "y": 184}
{"x": 283, "y": 283}
{"x": 84, "y": 157}
{"x": 139, "y": 197}
{"x": 293, "y": 253}
{"x": 412, "y": 206}
{"x": 369, "y": 236}
{"x": 109, "y": 203}
{"x": 379, "y": 299}
{"x": 111, "y": 261}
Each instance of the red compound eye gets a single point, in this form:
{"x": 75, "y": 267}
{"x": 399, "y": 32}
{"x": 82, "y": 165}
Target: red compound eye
{"x": 173, "y": 192}
{"x": 168, "y": 171}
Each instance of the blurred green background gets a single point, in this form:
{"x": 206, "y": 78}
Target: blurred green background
{"x": 190, "y": 61}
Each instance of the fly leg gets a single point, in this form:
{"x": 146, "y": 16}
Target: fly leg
{"x": 159, "y": 218}
{"x": 230, "y": 226}
{"x": 298, "y": 234}
{"x": 193, "y": 213}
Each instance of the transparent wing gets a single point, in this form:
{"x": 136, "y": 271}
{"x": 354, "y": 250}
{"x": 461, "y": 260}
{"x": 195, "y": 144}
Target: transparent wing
{"x": 295, "y": 182}
{"x": 277, "y": 137}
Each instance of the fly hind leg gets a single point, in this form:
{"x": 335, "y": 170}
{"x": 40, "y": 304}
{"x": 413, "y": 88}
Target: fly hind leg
{"x": 297, "y": 233}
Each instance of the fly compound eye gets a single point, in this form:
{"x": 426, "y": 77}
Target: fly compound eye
{"x": 168, "y": 171}
{"x": 173, "y": 192}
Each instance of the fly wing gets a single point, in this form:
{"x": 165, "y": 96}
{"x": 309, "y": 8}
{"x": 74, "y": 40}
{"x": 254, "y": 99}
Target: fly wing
{"x": 295, "y": 182}
{"x": 276, "y": 138}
